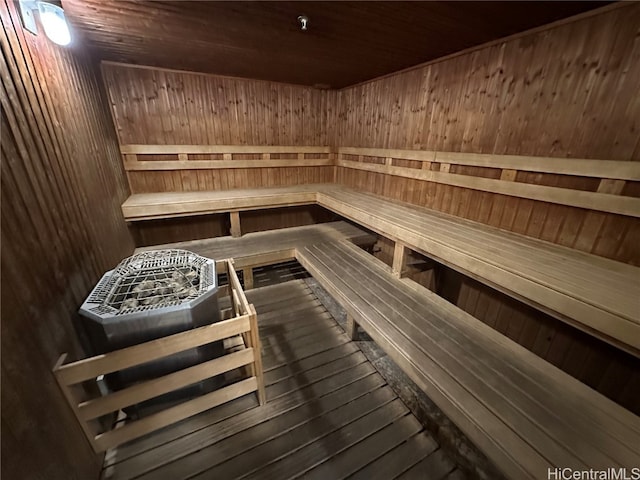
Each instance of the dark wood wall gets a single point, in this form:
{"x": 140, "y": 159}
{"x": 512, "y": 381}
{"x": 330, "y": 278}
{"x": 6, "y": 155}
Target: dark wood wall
{"x": 568, "y": 91}
{"x": 62, "y": 184}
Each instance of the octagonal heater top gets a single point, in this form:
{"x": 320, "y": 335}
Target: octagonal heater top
{"x": 147, "y": 281}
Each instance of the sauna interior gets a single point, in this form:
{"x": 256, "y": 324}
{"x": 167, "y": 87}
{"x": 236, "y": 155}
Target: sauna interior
{"x": 279, "y": 240}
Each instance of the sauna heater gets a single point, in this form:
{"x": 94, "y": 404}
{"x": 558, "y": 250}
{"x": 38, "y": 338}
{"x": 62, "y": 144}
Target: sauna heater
{"x": 151, "y": 295}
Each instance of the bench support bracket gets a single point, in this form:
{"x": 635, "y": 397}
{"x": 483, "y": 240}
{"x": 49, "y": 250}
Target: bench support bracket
{"x": 352, "y": 328}
{"x": 236, "y": 231}
{"x": 247, "y": 275}
{"x": 399, "y": 255}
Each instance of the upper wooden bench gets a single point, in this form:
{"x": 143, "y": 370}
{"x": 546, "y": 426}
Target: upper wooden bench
{"x": 595, "y": 294}
{"x": 147, "y": 206}
{"x": 526, "y": 415}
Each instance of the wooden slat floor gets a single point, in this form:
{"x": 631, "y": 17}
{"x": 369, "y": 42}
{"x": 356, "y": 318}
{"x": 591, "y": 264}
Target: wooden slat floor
{"x": 329, "y": 414}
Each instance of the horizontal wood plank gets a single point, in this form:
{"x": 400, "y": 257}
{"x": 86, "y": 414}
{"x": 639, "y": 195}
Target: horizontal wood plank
{"x": 603, "y": 202}
{"x": 89, "y": 368}
{"x": 171, "y": 415}
{"x": 167, "y": 383}
{"x": 160, "y": 165}
{"x": 219, "y": 149}
{"x": 172, "y": 204}
{"x": 614, "y": 169}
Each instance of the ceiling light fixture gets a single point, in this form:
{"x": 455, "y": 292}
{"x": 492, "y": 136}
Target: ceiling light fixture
{"x": 52, "y": 19}
{"x": 303, "y": 20}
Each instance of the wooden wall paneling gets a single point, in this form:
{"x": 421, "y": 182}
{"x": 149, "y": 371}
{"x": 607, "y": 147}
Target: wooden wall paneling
{"x": 62, "y": 183}
{"x": 159, "y": 232}
{"x": 567, "y": 91}
{"x": 212, "y": 110}
{"x": 268, "y": 219}
{"x": 159, "y": 107}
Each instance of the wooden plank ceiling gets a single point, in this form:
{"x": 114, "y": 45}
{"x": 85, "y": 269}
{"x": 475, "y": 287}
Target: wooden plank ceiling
{"x": 346, "y": 42}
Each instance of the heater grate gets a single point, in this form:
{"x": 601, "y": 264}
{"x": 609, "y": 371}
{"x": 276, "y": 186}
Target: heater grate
{"x": 152, "y": 280}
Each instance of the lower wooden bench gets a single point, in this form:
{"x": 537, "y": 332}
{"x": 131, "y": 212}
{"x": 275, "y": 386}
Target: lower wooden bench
{"x": 526, "y": 415}
{"x": 595, "y": 294}
{"x": 272, "y": 246}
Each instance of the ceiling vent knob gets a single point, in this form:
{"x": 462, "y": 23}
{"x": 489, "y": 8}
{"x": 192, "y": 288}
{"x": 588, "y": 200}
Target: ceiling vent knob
{"x": 304, "y": 21}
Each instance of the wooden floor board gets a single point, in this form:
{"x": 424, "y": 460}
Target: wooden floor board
{"x": 303, "y": 350}
{"x": 298, "y": 366}
{"x": 275, "y": 337}
{"x": 359, "y": 455}
{"x": 355, "y": 362}
{"x": 250, "y": 439}
{"x": 297, "y": 312}
{"x": 186, "y": 444}
{"x": 303, "y": 459}
{"x": 282, "y": 305}
{"x": 398, "y": 460}
{"x": 327, "y": 410}
{"x": 435, "y": 467}
{"x": 320, "y": 315}
{"x": 457, "y": 474}
{"x": 262, "y": 462}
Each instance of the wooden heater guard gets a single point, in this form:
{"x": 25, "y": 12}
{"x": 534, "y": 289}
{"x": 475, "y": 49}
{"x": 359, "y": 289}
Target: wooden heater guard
{"x": 242, "y": 321}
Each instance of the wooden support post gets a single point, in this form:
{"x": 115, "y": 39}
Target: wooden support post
{"x": 352, "y": 328}
{"x": 399, "y": 253}
{"x": 508, "y": 175}
{"x": 247, "y": 275}
{"x": 257, "y": 349}
{"x": 610, "y": 186}
{"x": 70, "y": 393}
{"x": 236, "y": 231}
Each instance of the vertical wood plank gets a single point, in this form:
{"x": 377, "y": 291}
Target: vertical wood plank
{"x": 399, "y": 254}
{"x": 236, "y": 231}
{"x": 352, "y": 328}
{"x": 61, "y": 164}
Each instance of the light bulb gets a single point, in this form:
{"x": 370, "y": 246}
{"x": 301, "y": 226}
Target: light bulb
{"x": 54, "y": 23}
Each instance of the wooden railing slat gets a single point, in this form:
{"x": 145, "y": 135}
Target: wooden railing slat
{"x": 615, "y": 169}
{"x": 145, "y": 352}
{"x": 219, "y": 149}
{"x": 575, "y": 198}
{"x": 167, "y": 383}
{"x": 171, "y": 415}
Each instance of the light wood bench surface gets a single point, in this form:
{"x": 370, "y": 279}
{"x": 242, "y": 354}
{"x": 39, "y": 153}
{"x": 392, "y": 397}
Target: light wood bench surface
{"x": 595, "y": 294}
{"x": 146, "y": 206}
{"x": 526, "y": 415}
{"x": 272, "y": 246}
